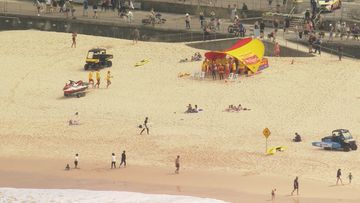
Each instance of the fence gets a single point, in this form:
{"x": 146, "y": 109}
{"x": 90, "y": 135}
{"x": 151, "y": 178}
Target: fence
{"x": 261, "y": 5}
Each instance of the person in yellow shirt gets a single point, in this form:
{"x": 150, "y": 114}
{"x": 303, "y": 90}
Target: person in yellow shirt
{"x": 97, "y": 79}
{"x": 108, "y": 79}
{"x": 91, "y": 80}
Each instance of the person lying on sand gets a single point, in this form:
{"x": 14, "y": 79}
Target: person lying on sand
{"x": 233, "y": 108}
{"x": 184, "y": 60}
{"x": 75, "y": 120}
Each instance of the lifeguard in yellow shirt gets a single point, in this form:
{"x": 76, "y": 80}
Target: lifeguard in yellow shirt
{"x": 90, "y": 77}
{"x": 108, "y": 79}
{"x": 97, "y": 79}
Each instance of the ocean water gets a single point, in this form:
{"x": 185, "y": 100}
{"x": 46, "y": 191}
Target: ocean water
{"x": 16, "y": 195}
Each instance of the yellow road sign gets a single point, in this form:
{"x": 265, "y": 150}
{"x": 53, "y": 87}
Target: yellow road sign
{"x": 266, "y": 132}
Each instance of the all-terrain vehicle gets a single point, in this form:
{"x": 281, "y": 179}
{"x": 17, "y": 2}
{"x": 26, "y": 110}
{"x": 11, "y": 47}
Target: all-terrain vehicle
{"x": 340, "y": 139}
{"x": 97, "y": 59}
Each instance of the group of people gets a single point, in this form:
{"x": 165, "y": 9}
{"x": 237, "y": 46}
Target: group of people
{"x": 67, "y": 6}
{"x": 234, "y": 108}
{"x": 196, "y": 57}
{"x": 190, "y": 109}
{"x": 223, "y": 67}
{"x": 122, "y": 162}
{"x": 98, "y": 79}
{"x": 338, "y": 177}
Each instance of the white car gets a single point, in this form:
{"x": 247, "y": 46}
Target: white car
{"x": 329, "y": 5}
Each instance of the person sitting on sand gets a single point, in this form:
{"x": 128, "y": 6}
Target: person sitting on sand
{"x": 75, "y": 120}
{"x": 67, "y": 168}
{"x": 189, "y": 109}
{"x": 195, "y": 110}
{"x": 297, "y": 138}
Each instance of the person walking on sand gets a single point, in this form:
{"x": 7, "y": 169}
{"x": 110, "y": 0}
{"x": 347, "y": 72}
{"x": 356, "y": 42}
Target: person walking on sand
{"x": 350, "y": 177}
{"x": 108, "y": 79}
{"x": 90, "y": 77}
{"x": 76, "y": 160}
{"x": 296, "y": 186}
{"x": 74, "y": 35}
{"x": 177, "y": 164}
{"x": 136, "y": 34}
{"x": 113, "y": 160}
{"x": 98, "y": 79}
{"x": 273, "y": 194}
{"x": 123, "y": 159}
{"x": 338, "y": 176}
{"x": 145, "y": 126}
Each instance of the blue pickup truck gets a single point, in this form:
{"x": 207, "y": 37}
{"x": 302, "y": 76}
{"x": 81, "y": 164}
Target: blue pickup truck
{"x": 340, "y": 139}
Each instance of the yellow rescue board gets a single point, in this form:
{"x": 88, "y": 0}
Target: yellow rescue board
{"x": 273, "y": 150}
{"x": 142, "y": 62}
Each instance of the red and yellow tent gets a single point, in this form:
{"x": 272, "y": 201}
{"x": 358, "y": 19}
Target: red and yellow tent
{"x": 248, "y": 51}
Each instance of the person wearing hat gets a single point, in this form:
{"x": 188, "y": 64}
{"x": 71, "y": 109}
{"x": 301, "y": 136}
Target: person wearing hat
{"x": 187, "y": 21}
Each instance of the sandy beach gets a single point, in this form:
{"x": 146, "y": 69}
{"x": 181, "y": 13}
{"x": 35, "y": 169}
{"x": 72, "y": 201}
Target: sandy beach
{"x": 222, "y": 154}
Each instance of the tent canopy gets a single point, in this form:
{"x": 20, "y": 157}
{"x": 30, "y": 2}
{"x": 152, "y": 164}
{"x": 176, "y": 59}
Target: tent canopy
{"x": 248, "y": 51}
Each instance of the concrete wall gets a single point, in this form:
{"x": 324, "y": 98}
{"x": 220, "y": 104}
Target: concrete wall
{"x": 123, "y": 31}
{"x": 269, "y": 48}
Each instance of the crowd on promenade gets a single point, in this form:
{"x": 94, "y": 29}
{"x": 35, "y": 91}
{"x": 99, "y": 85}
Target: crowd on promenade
{"x": 67, "y": 7}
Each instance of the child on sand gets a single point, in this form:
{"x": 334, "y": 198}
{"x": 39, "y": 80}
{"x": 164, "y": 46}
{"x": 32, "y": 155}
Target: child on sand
{"x": 108, "y": 79}
{"x": 67, "y": 168}
{"x": 177, "y": 164}
{"x": 97, "y": 79}
{"x": 74, "y": 35}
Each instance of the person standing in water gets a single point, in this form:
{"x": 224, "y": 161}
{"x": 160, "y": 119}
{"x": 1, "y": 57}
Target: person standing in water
{"x": 145, "y": 126}
{"x": 296, "y": 186}
{"x": 74, "y": 35}
{"x": 177, "y": 164}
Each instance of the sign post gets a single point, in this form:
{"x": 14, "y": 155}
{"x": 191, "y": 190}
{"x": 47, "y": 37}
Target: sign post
{"x": 266, "y": 133}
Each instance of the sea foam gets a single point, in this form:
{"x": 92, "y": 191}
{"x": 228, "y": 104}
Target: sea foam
{"x": 15, "y": 195}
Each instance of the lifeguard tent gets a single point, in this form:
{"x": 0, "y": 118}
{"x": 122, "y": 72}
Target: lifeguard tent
{"x": 249, "y": 52}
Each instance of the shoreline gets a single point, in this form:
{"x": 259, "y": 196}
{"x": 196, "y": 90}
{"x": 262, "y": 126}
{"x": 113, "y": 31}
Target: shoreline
{"x": 226, "y": 186}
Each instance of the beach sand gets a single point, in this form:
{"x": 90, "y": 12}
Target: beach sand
{"x": 221, "y": 153}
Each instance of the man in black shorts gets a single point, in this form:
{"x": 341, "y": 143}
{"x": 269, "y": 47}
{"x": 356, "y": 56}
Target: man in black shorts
{"x": 296, "y": 186}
